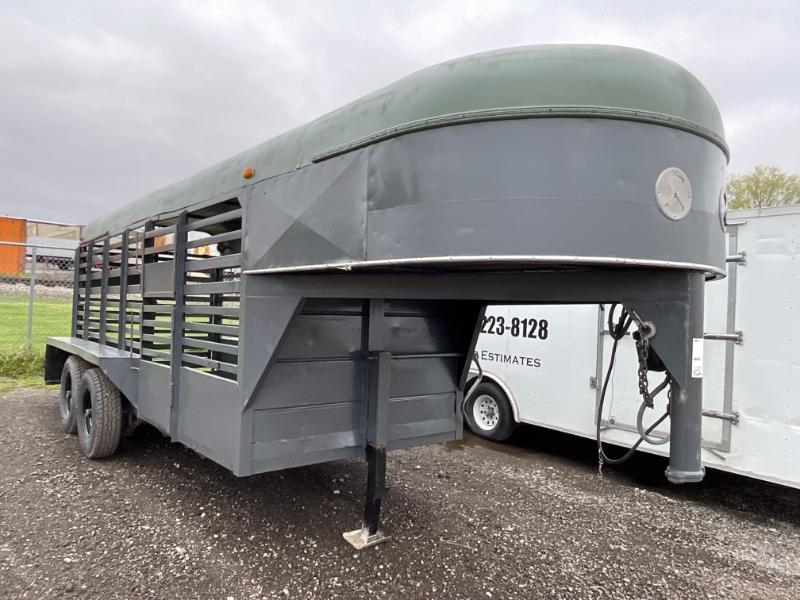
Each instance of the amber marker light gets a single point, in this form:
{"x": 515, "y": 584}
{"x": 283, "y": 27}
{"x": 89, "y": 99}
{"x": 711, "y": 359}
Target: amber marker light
{"x": 248, "y": 172}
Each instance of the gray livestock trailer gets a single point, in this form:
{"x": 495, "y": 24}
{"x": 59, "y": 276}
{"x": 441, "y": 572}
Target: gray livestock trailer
{"x": 318, "y": 297}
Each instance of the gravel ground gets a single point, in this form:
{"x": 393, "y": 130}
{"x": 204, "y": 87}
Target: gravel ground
{"x": 529, "y": 519}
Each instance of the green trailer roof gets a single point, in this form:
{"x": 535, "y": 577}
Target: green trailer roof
{"x": 526, "y": 82}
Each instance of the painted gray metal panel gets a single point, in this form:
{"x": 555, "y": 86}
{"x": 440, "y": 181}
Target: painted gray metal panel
{"x": 209, "y": 416}
{"x": 155, "y": 394}
{"x": 323, "y": 336}
{"x": 317, "y": 214}
{"x": 159, "y": 279}
{"x": 416, "y": 335}
{"x": 310, "y": 383}
{"x": 422, "y": 416}
{"x": 417, "y": 376}
{"x": 310, "y": 432}
{"x": 542, "y": 187}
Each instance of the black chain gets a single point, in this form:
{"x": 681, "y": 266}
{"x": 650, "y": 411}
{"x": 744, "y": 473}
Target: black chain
{"x": 642, "y": 351}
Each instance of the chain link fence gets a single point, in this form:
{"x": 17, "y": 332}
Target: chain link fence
{"x": 36, "y": 283}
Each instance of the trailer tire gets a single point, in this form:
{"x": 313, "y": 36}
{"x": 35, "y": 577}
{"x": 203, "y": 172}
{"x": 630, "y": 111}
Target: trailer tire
{"x": 98, "y": 415}
{"x": 71, "y": 375}
{"x": 488, "y": 412}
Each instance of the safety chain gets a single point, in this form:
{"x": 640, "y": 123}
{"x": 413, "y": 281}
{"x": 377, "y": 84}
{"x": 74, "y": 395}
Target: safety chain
{"x": 642, "y": 351}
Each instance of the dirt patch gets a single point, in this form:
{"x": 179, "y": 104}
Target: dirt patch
{"x": 475, "y": 520}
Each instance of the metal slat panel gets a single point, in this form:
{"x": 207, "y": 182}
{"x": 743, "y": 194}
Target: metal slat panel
{"x": 159, "y": 231}
{"x": 222, "y": 287}
{"x": 156, "y": 354}
{"x": 161, "y": 309}
{"x": 160, "y": 249}
{"x": 231, "y": 330}
{"x": 156, "y": 339}
{"x": 213, "y": 346}
{"x": 211, "y": 364}
{"x": 220, "y": 218}
{"x": 224, "y": 311}
{"x": 219, "y": 262}
{"x": 215, "y": 239}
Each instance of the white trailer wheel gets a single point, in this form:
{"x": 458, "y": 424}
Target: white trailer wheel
{"x": 485, "y": 412}
{"x": 488, "y": 412}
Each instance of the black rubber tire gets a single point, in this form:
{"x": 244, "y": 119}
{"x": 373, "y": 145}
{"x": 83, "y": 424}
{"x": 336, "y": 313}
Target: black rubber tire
{"x": 71, "y": 375}
{"x": 100, "y": 429}
{"x": 505, "y": 424}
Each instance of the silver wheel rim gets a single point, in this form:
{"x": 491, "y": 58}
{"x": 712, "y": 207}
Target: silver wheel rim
{"x": 485, "y": 412}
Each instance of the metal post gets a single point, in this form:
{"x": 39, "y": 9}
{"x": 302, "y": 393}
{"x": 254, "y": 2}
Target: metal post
{"x": 377, "y": 428}
{"x": 31, "y": 297}
{"x": 176, "y": 345}
{"x": 76, "y": 298}
{"x": 104, "y": 292}
{"x": 686, "y": 404}
{"x": 123, "y": 290}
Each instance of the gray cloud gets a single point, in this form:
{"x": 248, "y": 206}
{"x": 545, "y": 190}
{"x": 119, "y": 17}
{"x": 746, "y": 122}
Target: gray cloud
{"x": 103, "y": 102}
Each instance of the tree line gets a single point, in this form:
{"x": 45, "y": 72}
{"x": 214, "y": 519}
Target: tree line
{"x": 764, "y": 186}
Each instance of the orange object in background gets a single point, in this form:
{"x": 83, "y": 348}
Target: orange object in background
{"x": 12, "y": 258}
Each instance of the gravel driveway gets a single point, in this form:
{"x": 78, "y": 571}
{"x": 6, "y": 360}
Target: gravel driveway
{"x": 529, "y": 519}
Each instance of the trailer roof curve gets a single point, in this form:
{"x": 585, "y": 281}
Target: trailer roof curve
{"x": 589, "y": 81}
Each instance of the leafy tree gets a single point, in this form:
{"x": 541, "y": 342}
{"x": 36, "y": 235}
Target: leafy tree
{"x": 765, "y": 186}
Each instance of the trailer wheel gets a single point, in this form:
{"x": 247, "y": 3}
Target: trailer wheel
{"x": 71, "y": 376}
{"x": 488, "y": 412}
{"x": 98, "y": 415}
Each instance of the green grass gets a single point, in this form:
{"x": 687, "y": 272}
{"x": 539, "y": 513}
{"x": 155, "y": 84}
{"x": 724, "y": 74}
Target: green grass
{"x": 21, "y": 366}
{"x": 50, "y": 317}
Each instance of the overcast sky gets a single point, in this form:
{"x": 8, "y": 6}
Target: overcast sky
{"x": 102, "y": 102}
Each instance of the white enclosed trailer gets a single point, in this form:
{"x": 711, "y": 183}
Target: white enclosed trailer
{"x": 544, "y": 364}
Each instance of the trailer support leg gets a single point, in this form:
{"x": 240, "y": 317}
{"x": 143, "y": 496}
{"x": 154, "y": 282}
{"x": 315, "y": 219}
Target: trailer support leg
{"x": 686, "y": 407}
{"x": 678, "y": 342}
{"x": 370, "y": 534}
{"x": 377, "y": 426}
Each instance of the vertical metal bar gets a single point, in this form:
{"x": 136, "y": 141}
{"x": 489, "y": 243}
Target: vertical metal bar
{"x": 31, "y": 298}
{"x": 76, "y": 296}
{"x": 176, "y": 346}
{"x": 730, "y": 349}
{"x": 379, "y": 370}
{"x": 104, "y": 292}
{"x": 599, "y": 368}
{"x": 123, "y": 290}
{"x": 146, "y": 258}
{"x": 379, "y": 367}
{"x": 686, "y": 404}
{"x": 87, "y": 288}
{"x": 376, "y": 488}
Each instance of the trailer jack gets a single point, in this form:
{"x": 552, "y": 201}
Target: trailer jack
{"x": 370, "y": 534}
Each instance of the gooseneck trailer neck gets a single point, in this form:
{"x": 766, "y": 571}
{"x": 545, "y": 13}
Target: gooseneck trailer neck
{"x": 317, "y": 297}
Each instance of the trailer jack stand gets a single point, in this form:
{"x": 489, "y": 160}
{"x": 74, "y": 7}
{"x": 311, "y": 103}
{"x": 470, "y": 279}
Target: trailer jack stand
{"x": 369, "y": 534}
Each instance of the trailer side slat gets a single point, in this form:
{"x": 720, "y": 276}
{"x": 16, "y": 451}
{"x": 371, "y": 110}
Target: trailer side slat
{"x": 221, "y": 287}
{"x": 231, "y": 330}
{"x": 159, "y": 249}
{"x": 214, "y": 346}
{"x": 219, "y": 262}
{"x": 159, "y": 231}
{"x": 220, "y": 218}
{"x": 203, "y": 310}
{"x": 215, "y": 239}
{"x": 209, "y": 363}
